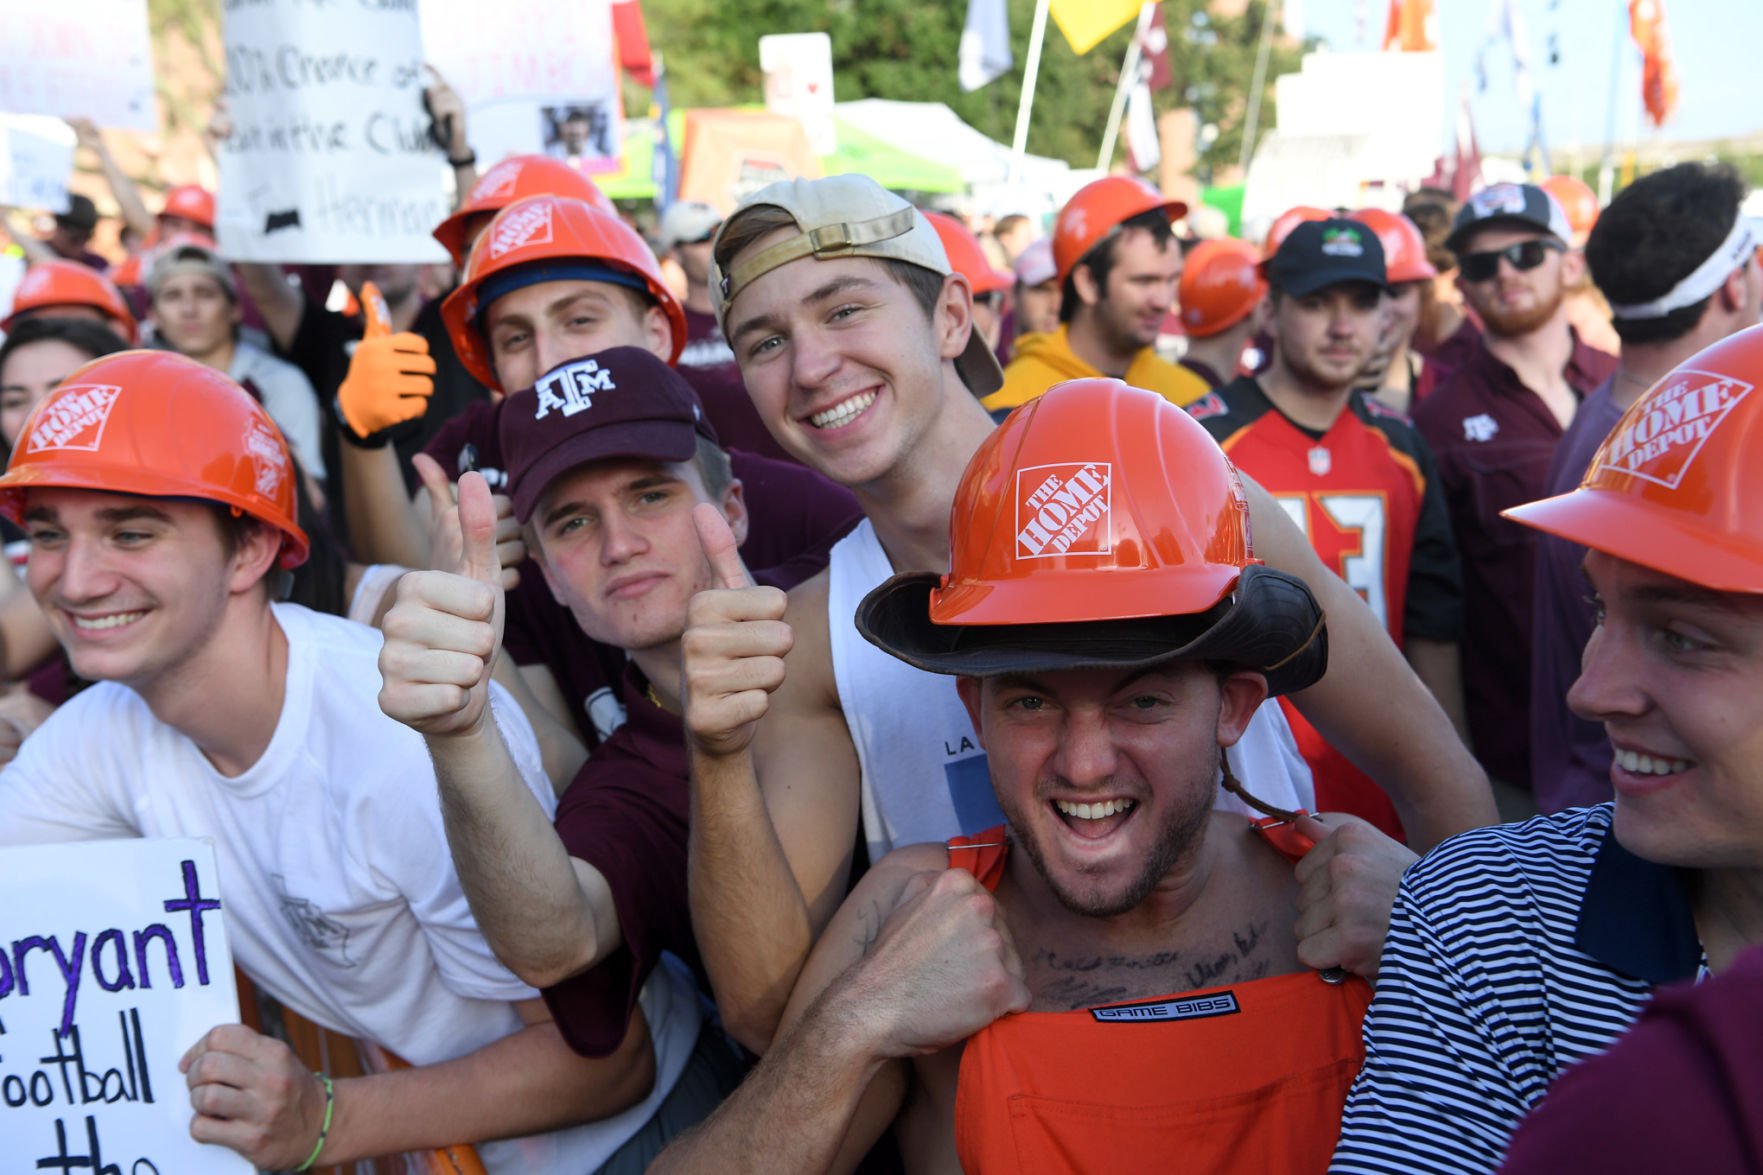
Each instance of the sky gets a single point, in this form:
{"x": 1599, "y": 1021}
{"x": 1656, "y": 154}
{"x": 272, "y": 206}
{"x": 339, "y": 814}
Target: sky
{"x": 1715, "y": 44}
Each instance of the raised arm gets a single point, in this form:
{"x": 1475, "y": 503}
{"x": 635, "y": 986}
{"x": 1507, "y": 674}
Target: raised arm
{"x": 768, "y": 865}
{"x": 545, "y": 914}
{"x": 128, "y": 196}
{"x": 916, "y": 961}
{"x": 1370, "y": 704}
{"x": 282, "y": 305}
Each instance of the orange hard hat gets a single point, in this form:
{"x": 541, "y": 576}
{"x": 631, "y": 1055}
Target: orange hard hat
{"x": 1404, "y": 249}
{"x": 1040, "y": 542}
{"x": 192, "y": 202}
{"x": 516, "y": 178}
{"x": 560, "y": 239}
{"x": 1285, "y": 222}
{"x": 1220, "y": 286}
{"x": 48, "y": 284}
{"x": 1676, "y": 485}
{"x": 966, "y": 257}
{"x": 156, "y": 423}
{"x": 1577, "y": 200}
{"x": 1097, "y": 209}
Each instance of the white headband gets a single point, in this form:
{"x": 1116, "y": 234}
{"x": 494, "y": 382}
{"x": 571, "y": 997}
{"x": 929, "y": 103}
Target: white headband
{"x": 1708, "y": 276}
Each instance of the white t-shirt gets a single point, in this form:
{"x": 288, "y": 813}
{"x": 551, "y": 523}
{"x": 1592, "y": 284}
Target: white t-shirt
{"x": 340, "y": 895}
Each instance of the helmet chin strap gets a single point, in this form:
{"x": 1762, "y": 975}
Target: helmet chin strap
{"x": 1235, "y": 787}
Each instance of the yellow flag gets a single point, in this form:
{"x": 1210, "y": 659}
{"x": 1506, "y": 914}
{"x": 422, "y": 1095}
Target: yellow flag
{"x": 1087, "y": 23}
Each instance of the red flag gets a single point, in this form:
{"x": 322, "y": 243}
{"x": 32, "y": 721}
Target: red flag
{"x": 1154, "y": 51}
{"x": 632, "y": 37}
{"x": 1409, "y": 28}
{"x": 1646, "y": 23}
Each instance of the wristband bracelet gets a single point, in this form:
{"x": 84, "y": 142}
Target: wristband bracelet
{"x": 378, "y": 440}
{"x": 324, "y": 1131}
{"x": 470, "y": 160}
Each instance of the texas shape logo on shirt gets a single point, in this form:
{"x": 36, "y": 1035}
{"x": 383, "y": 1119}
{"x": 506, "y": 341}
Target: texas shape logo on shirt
{"x": 570, "y": 389}
{"x": 1063, "y": 510}
{"x": 75, "y": 419}
{"x": 1660, "y": 442}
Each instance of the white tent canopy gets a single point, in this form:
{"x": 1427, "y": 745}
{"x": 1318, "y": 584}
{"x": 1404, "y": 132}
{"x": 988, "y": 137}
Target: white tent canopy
{"x": 935, "y": 132}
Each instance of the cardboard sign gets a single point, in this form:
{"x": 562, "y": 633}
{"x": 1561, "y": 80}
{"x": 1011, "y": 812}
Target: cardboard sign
{"x": 113, "y": 962}
{"x": 537, "y": 78}
{"x": 79, "y": 58}
{"x": 36, "y": 157}
{"x": 330, "y": 158}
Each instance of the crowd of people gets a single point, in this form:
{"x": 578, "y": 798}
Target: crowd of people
{"x": 699, "y": 702}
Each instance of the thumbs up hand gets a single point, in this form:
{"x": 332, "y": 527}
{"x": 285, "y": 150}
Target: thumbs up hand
{"x": 734, "y": 645}
{"x": 443, "y": 633}
{"x": 390, "y": 380}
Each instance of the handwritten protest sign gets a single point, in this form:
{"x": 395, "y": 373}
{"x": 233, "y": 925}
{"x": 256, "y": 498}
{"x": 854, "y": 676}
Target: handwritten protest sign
{"x": 113, "y": 962}
{"x": 798, "y": 71}
{"x": 330, "y": 157}
{"x": 71, "y": 58}
{"x": 36, "y": 157}
{"x": 536, "y": 77}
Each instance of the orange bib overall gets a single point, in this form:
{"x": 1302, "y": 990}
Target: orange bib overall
{"x": 1247, "y": 1078}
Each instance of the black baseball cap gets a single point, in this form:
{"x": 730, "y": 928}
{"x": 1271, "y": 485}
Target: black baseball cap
{"x": 1517, "y": 205}
{"x": 81, "y": 213}
{"x": 621, "y": 402}
{"x": 1322, "y": 253}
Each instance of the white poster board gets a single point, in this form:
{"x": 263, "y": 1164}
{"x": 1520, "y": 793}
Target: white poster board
{"x": 330, "y": 158}
{"x": 36, "y": 157}
{"x": 537, "y": 78}
{"x": 799, "y": 84}
{"x": 79, "y": 58}
{"x": 113, "y": 962}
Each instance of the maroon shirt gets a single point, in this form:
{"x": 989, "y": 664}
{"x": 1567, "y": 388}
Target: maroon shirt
{"x": 626, "y": 814}
{"x": 709, "y": 366}
{"x": 1458, "y": 348}
{"x": 794, "y": 517}
{"x": 1681, "y": 1091}
{"x": 1494, "y": 438}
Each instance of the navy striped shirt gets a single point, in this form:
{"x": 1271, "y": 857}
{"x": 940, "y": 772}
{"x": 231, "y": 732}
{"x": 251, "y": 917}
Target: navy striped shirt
{"x": 1513, "y": 952}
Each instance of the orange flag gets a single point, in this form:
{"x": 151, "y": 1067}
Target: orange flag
{"x": 1646, "y": 24}
{"x": 1409, "y": 28}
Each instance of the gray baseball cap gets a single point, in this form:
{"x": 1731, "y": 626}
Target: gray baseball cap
{"x": 847, "y": 216}
{"x": 1521, "y": 205}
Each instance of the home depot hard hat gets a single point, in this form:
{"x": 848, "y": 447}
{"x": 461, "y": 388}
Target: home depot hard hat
{"x": 1404, "y": 250}
{"x": 1220, "y": 286}
{"x": 49, "y": 284}
{"x": 516, "y": 178}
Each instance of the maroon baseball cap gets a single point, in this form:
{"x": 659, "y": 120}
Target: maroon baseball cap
{"x": 622, "y": 402}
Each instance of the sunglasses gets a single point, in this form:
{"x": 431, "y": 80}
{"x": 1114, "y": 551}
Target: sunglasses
{"x": 1523, "y": 257}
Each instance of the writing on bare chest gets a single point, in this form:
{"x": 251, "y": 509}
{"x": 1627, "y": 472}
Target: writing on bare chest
{"x": 1066, "y": 979}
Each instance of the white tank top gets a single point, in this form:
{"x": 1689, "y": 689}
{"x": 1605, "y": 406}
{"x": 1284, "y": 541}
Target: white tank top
{"x": 924, "y": 776}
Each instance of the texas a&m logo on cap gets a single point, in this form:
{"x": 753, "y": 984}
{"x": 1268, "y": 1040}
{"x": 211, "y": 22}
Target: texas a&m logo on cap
{"x": 1659, "y": 440}
{"x": 1064, "y": 510}
{"x": 570, "y": 389}
{"x": 74, "y": 419}
{"x": 529, "y": 224}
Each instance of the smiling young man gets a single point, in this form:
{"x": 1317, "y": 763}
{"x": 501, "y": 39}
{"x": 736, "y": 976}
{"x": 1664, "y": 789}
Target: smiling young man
{"x": 855, "y": 343}
{"x": 1118, "y": 263}
{"x": 160, "y": 503}
{"x": 1145, "y": 937}
{"x": 1516, "y": 951}
{"x": 1356, "y": 478}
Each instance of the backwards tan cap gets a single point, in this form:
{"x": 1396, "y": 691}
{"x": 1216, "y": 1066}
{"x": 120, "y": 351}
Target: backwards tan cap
{"x": 846, "y": 216}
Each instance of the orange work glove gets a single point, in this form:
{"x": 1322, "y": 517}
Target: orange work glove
{"x": 390, "y": 376}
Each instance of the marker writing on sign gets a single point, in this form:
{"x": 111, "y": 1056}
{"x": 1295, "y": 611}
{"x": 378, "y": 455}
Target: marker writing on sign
{"x": 109, "y": 956}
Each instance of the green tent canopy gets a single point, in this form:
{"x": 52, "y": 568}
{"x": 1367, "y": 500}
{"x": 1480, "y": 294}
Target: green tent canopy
{"x": 859, "y": 153}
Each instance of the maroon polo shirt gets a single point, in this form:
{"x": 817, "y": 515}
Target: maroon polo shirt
{"x": 794, "y": 517}
{"x": 1456, "y": 349}
{"x": 1494, "y": 438}
{"x": 1680, "y": 1091}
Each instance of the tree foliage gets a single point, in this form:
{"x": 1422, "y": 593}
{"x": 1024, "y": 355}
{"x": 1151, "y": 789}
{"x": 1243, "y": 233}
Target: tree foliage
{"x": 906, "y": 49}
